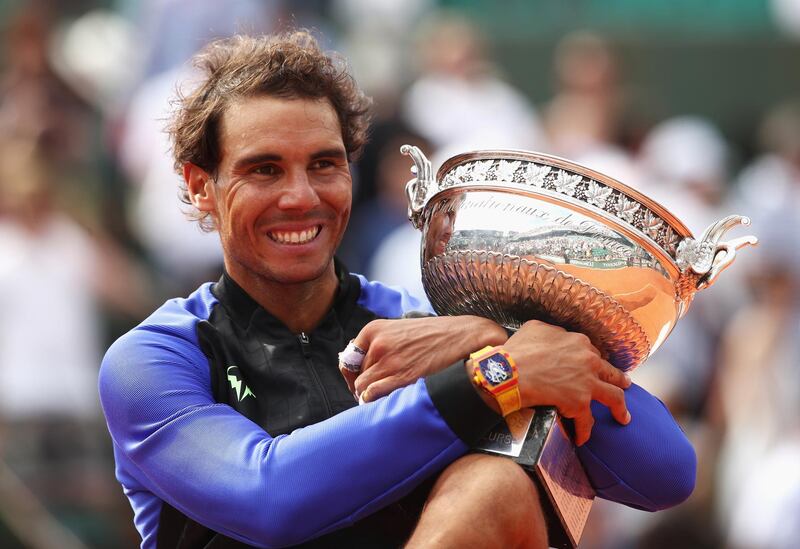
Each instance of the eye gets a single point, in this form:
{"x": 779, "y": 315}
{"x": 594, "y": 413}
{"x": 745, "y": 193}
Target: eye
{"x": 266, "y": 169}
{"x": 322, "y": 164}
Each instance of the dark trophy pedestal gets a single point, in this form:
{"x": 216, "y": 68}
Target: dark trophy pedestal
{"x": 535, "y": 439}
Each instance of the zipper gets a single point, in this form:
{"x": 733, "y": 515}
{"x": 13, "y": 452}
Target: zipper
{"x": 305, "y": 346}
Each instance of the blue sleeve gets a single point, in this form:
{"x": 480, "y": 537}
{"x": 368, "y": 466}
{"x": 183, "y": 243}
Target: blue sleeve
{"x": 389, "y": 301}
{"x": 648, "y": 464}
{"x": 222, "y": 470}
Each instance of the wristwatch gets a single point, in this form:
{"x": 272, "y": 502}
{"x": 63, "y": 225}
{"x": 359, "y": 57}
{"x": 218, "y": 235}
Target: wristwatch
{"x": 494, "y": 371}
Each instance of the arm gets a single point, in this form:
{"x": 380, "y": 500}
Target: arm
{"x": 648, "y": 464}
{"x": 401, "y": 351}
{"x": 222, "y": 470}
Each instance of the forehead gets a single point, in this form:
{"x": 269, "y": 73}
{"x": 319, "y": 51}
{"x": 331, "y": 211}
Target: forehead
{"x": 255, "y": 123}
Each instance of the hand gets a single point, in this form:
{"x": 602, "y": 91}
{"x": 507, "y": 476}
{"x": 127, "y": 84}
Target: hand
{"x": 563, "y": 369}
{"x": 401, "y": 351}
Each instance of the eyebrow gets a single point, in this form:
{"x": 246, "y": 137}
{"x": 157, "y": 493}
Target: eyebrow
{"x": 329, "y": 153}
{"x": 270, "y": 157}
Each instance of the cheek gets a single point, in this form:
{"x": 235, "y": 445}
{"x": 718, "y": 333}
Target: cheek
{"x": 343, "y": 198}
{"x": 244, "y": 205}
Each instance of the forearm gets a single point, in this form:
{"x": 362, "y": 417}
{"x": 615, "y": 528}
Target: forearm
{"x": 398, "y": 352}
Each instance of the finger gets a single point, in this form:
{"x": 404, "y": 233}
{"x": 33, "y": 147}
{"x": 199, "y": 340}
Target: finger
{"x": 614, "y": 376}
{"x": 614, "y": 398}
{"x": 352, "y": 358}
{"x": 364, "y": 336}
{"x": 381, "y": 388}
{"x": 367, "y": 377}
{"x": 583, "y": 428}
{"x": 363, "y": 341}
{"x": 349, "y": 377}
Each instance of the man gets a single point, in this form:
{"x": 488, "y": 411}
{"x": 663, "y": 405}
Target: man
{"x": 230, "y": 420}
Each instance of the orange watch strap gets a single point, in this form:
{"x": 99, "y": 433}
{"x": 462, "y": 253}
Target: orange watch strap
{"x": 509, "y": 400}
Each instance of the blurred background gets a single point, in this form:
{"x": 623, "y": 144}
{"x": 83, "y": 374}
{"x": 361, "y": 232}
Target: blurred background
{"x": 695, "y": 103}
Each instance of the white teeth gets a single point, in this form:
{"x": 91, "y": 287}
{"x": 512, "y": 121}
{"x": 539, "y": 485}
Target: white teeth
{"x": 295, "y": 237}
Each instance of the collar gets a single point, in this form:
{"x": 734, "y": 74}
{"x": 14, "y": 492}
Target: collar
{"x": 243, "y": 308}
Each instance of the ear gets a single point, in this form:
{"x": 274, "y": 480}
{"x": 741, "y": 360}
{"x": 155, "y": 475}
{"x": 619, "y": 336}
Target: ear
{"x": 200, "y": 186}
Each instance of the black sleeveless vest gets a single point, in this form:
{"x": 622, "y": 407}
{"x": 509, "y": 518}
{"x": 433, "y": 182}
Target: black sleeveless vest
{"x": 297, "y": 382}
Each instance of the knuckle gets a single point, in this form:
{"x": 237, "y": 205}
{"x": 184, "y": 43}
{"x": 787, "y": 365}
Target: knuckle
{"x": 372, "y": 325}
{"x": 618, "y": 394}
{"x": 378, "y": 346}
{"x": 567, "y": 411}
{"x": 592, "y": 360}
{"x": 376, "y": 325}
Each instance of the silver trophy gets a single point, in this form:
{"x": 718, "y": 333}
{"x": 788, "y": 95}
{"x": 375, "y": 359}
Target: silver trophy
{"x": 515, "y": 235}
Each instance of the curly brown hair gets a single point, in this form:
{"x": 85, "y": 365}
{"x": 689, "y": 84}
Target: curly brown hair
{"x": 288, "y": 65}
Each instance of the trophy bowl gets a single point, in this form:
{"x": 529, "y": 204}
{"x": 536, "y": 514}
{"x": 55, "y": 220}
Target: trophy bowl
{"x": 516, "y": 235}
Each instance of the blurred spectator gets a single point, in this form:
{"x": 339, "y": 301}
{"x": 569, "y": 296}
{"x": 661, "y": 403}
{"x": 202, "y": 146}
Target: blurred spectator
{"x": 52, "y": 272}
{"x": 613, "y": 161}
{"x": 376, "y": 41}
{"x": 768, "y": 188}
{"x": 458, "y": 98}
{"x": 94, "y": 55}
{"x": 374, "y": 219}
{"x": 397, "y": 261}
{"x": 587, "y": 107}
{"x": 168, "y": 45}
{"x": 686, "y": 162}
{"x": 35, "y": 104}
{"x": 181, "y": 254}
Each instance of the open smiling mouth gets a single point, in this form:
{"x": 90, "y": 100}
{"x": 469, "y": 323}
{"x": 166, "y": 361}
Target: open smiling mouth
{"x": 295, "y": 237}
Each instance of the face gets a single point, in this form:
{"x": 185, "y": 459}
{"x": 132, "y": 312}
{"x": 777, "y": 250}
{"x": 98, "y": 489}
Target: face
{"x": 282, "y": 196}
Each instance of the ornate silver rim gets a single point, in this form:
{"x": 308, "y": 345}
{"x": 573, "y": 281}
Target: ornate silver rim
{"x": 541, "y": 172}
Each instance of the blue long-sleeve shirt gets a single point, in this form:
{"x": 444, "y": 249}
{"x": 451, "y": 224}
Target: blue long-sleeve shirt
{"x": 175, "y": 444}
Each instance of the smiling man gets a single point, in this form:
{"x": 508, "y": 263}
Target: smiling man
{"x": 231, "y": 423}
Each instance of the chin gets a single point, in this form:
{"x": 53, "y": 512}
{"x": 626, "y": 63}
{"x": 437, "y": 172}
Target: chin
{"x": 297, "y": 274}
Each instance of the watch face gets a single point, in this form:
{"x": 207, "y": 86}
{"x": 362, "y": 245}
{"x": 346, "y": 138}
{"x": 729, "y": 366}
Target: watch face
{"x": 496, "y": 369}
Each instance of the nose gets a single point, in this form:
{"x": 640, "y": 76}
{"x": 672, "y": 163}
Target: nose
{"x": 298, "y": 193}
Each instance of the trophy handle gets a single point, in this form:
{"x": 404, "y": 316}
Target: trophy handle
{"x": 417, "y": 188}
{"x": 703, "y": 260}
{"x": 725, "y": 255}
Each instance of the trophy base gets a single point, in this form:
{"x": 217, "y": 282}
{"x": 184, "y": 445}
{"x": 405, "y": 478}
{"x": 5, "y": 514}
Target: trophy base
{"x": 535, "y": 439}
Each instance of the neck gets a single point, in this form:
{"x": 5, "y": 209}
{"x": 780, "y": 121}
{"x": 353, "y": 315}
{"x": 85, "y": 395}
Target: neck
{"x": 299, "y": 306}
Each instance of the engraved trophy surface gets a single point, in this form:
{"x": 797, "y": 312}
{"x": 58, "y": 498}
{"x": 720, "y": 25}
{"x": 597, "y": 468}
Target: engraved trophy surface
{"x": 515, "y": 235}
